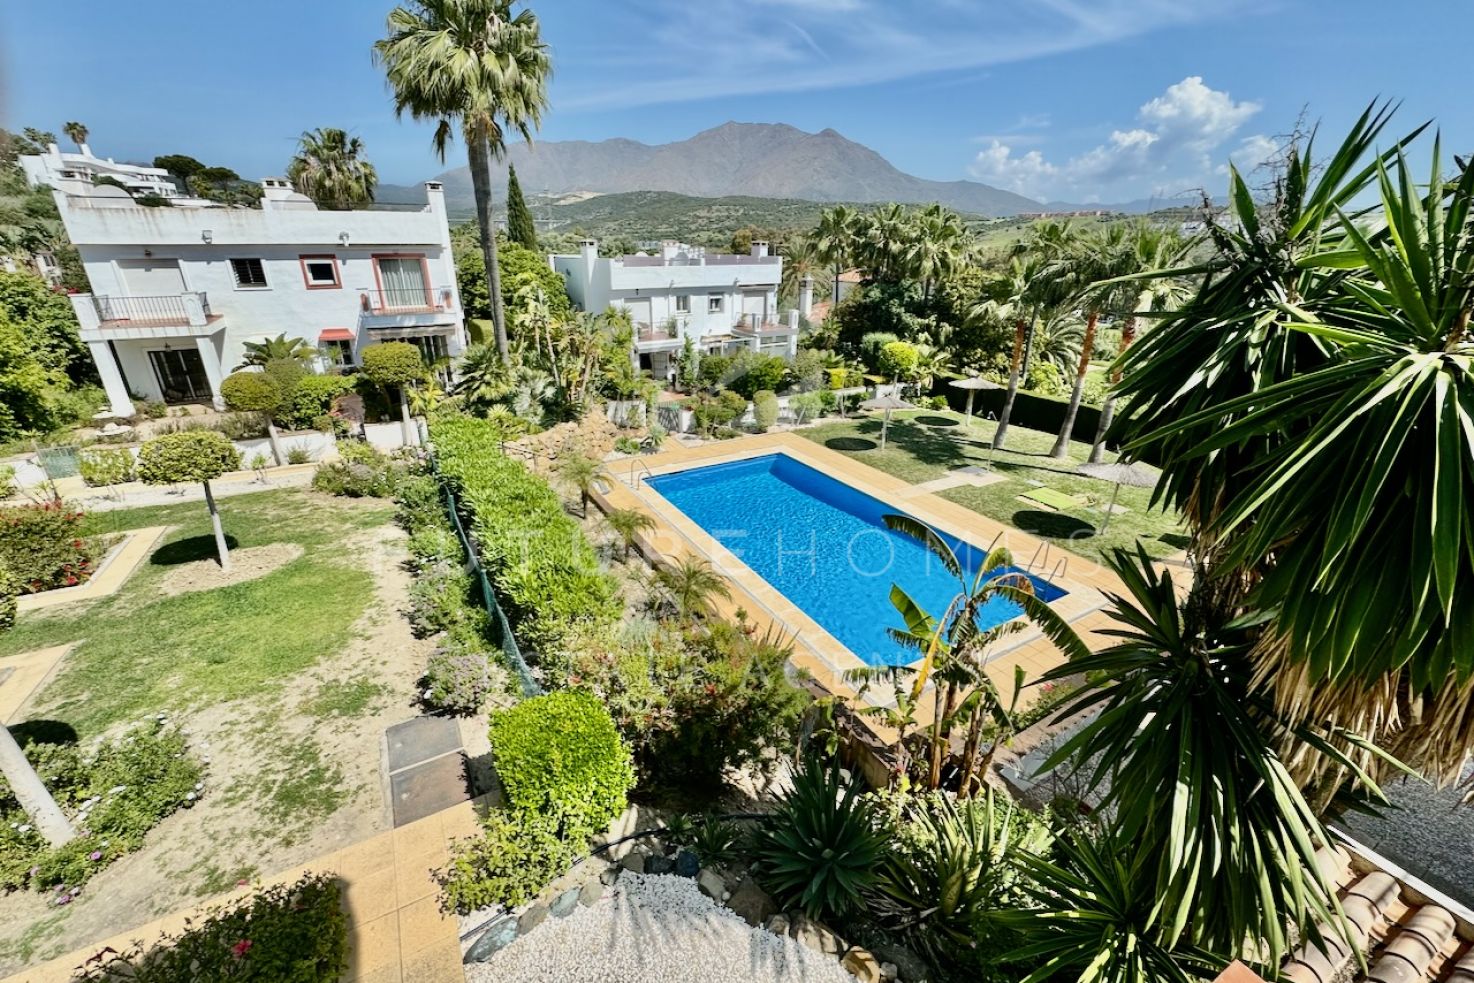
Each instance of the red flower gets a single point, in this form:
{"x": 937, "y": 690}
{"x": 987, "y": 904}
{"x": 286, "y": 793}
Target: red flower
{"x": 240, "y": 949}
{"x": 76, "y": 544}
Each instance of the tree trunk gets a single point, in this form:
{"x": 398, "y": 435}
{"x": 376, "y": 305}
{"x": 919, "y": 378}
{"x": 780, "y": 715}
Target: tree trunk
{"x": 941, "y": 733}
{"x": 970, "y": 751}
{"x": 1108, "y": 411}
{"x": 1061, "y": 446}
{"x": 478, "y": 152}
{"x": 272, "y": 436}
{"x": 406, "y": 424}
{"x": 1019, "y": 328}
{"x": 220, "y": 546}
{"x": 34, "y": 798}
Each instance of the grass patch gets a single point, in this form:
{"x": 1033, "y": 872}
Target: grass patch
{"x": 917, "y": 450}
{"x": 139, "y": 652}
{"x": 293, "y": 792}
{"x": 346, "y": 698}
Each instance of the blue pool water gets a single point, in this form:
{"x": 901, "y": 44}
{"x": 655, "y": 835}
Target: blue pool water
{"x": 822, "y": 544}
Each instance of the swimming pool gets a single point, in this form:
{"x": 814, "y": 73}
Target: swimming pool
{"x": 822, "y": 544}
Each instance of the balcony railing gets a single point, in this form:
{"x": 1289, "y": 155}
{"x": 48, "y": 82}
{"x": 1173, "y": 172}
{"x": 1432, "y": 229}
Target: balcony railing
{"x": 168, "y": 310}
{"x": 405, "y": 300}
{"x": 656, "y": 332}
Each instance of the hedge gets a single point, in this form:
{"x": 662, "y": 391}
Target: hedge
{"x": 544, "y": 570}
{"x": 44, "y": 546}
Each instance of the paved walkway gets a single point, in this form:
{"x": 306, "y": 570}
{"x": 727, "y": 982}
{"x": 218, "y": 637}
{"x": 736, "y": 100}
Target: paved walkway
{"x": 22, "y": 675}
{"x": 135, "y": 494}
{"x": 396, "y": 931}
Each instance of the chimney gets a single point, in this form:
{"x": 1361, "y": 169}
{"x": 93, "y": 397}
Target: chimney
{"x": 669, "y": 250}
{"x": 806, "y": 296}
{"x": 760, "y": 247}
{"x": 589, "y": 250}
{"x": 435, "y": 197}
{"x": 275, "y": 189}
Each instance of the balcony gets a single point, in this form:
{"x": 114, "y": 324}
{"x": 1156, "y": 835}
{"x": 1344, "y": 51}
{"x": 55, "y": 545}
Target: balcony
{"x": 172, "y": 310}
{"x": 408, "y": 307}
{"x": 656, "y": 337}
{"x": 765, "y": 329}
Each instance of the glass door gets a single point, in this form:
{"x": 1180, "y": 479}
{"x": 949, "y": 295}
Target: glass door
{"x": 403, "y": 280}
{"x": 181, "y": 375}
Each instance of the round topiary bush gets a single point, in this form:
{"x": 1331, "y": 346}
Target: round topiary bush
{"x": 561, "y": 755}
{"x": 898, "y": 359}
{"x": 195, "y": 455}
{"x": 392, "y": 363}
{"x": 252, "y": 392}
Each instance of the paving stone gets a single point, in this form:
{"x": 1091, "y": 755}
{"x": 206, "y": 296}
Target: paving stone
{"x": 565, "y": 902}
{"x": 415, "y": 741}
{"x": 426, "y": 789}
{"x": 532, "y": 918}
{"x": 498, "y": 935}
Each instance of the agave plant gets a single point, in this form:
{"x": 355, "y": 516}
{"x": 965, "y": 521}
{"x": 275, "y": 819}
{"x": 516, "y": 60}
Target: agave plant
{"x": 959, "y": 869}
{"x": 821, "y": 848}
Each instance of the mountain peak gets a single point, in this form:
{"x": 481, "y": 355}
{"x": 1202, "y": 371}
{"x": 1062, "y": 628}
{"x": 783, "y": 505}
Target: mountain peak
{"x": 736, "y": 159}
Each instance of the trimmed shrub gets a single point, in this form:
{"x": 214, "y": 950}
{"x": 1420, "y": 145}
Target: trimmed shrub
{"x": 196, "y": 455}
{"x": 421, "y": 506}
{"x": 102, "y": 468}
{"x": 392, "y": 363}
{"x": 898, "y": 359}
{"x": 290, "y": 933}
{"x": 9, "y": 597}
{"x": 363, "y": 471}
{"x": 507, "y": 865}
{"x": 458, "y": 681}
{"x": 561, "y": 756}
{"x": 44, "y": 547}
{"x": 7, "y": 480}
{"x": 753, "y": 371}
{"x": 764, "y": 410}
{"x": 541, "y": 564}
{"x": 310, "y": 398}
{"x": 252, "y": 392}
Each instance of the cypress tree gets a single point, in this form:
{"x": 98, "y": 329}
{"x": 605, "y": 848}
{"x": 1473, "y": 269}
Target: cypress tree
{"x": 520, "y": 228}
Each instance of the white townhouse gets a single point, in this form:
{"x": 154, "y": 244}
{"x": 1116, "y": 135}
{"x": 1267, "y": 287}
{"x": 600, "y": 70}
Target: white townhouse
{"x": 76, "y": 174}
{"x": 178, "y": 291}
{"x": 721, "y": 302}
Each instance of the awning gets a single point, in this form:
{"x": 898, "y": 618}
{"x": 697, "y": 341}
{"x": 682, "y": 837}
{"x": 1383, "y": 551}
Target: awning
{"x": 335, "y": 334}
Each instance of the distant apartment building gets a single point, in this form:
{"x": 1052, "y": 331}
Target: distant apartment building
{"x": 178, "y": 291}
{"x": 721, "y": 302}
{"x": 77, "y": 173}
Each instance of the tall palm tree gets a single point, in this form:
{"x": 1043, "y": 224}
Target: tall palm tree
{"x": 834, "y": 240}
{"x": 1097, "y": 257}
{"x": 330, "y": 168}
{"x": 1141, "y": 293}
{"x": 691, "y": 585}
{"x": 76, "y": 132}
{"x": 940, "y": 244}
{"x": 475, "y": 66}
{"x": 801, "y": 259}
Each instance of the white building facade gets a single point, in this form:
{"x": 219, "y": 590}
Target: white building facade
{"x": 721, "y": 302}
{"x": 177, "y": 292}
{"x": 78, "y": 173}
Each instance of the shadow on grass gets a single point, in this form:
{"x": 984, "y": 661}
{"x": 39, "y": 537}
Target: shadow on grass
{"x": 1054, "y": 525}
{"x": 43, "y": 732}
{"x": 936, "y": 421}
{"x": 1177, "y": 540}
{"x": 189, "y": 550}
{"x": 850, "y": 444}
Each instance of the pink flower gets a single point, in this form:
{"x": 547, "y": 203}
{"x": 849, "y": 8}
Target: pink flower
{"x": 95, "y": 855}
{"x": 240, "y": 949}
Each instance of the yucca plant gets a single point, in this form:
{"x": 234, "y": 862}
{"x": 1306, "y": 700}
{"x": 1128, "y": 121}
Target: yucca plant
{"x": 1093, "y": 918}
{"x": 820, "y": 849}
{"x": 956, "y": 867}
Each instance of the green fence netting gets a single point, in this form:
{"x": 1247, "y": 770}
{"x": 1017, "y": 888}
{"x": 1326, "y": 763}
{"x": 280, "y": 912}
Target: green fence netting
{"x": 501, "y": 630}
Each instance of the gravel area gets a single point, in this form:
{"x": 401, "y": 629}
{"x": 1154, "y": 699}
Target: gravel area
{"x": 656, "y": 929}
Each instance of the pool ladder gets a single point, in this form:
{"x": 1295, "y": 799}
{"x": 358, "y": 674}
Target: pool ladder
{"x": 636, "y": 466}
{"x": 1036, "y": 564}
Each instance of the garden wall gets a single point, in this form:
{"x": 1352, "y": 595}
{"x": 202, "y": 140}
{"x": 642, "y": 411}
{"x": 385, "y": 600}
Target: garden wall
{"x": 1029, "y": 410}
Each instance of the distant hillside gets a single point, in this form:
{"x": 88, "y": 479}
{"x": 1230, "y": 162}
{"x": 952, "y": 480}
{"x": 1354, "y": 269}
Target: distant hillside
{"x": 747, "y": 160}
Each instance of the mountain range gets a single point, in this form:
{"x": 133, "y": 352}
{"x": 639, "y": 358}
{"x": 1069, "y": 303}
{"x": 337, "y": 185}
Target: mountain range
{"x": 757, "y": 160}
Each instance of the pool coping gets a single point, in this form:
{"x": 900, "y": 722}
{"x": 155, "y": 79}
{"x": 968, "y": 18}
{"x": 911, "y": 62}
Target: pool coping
{"x": 816, "y": 650}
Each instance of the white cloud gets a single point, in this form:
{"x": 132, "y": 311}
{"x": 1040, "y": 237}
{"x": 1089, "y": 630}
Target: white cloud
{"x": 1174, "y": 148}
{"x": 686, "y": 51}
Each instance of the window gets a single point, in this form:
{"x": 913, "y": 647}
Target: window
{"x": 320, "y": 272}
{"x": 714, "y": 303}
{"x": 432, "y": 347}
{"x": 683, "y": 304}
{"x": 402, "y": 281}
{"x": 248, "y": 272}
{"x": 338, "y": 353}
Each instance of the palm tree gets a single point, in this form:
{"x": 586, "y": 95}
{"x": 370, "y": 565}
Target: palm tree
{"x": 1310, "y": 408}
{"x": 582, "y": 473}
{"x": 940, "y": 244}
{"x": 691, "y": 585}
{"x": 1059, "y": 340}
{"x": 476, "y": 66}
{"x": 1096, "y": 257}
{"x": 329, "y": 167}
{"x": 1143, "y": 291}
{"x": 932, "y": 363}
{"x": 482, "y": 378}
{"x": 834, "y": 240}
{"x": 628, "y": 524}
{"x": 801, "y": 259}
{"x": 76, "y": 132}
{"x": 278, "y": 349}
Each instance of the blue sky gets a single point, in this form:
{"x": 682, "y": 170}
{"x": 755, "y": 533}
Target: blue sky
{"x": 1060, "y": 99}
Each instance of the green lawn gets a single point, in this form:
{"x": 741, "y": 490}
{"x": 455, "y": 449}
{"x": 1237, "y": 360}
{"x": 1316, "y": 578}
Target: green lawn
{"x": 923, "y": 445}
{"x": 140, "y": 651}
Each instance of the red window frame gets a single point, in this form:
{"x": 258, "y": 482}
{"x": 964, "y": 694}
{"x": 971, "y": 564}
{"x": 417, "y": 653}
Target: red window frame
{"x": 430, "y": 303}
{"x": 337, "y": 283}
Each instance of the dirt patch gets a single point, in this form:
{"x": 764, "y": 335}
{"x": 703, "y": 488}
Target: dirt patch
{"x": 289, "y": 777}
{"x": 246, "y": 564}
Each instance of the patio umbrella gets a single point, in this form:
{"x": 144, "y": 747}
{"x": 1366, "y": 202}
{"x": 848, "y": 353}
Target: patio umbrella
{"x": 887, "y": 403}
{"x": 972, "y": 384}
{"x": 1121, "y": 473}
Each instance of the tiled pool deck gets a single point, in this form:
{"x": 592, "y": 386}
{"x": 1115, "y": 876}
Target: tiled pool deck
{"x": 815, "y": 650}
